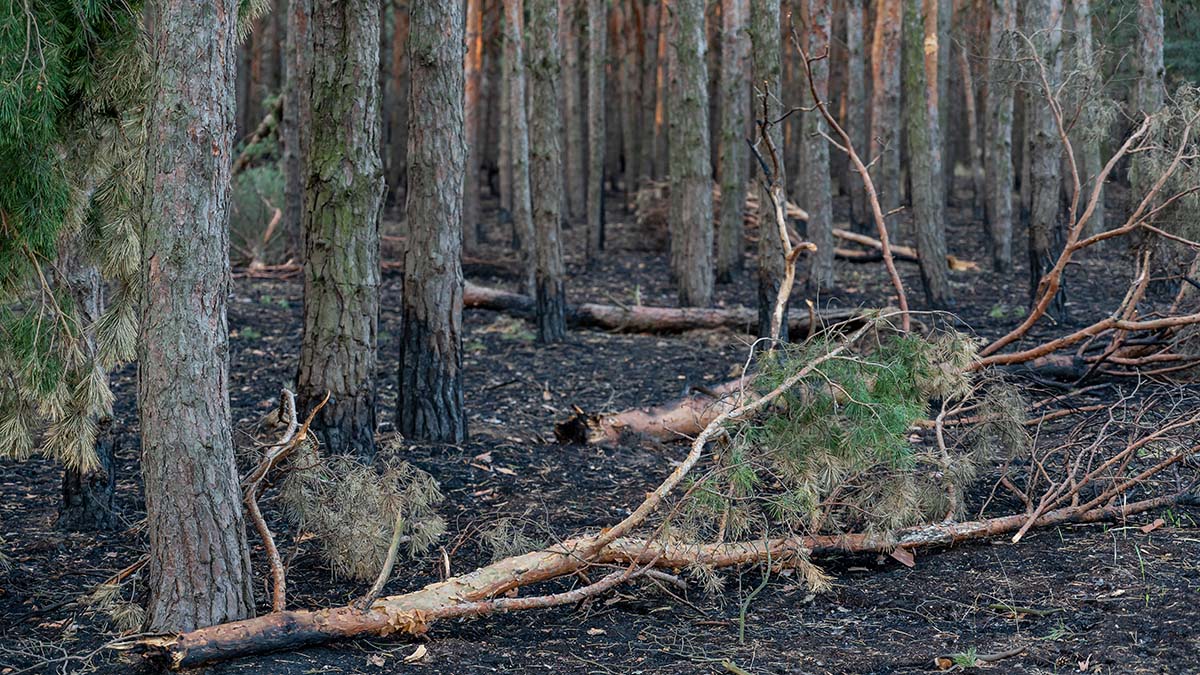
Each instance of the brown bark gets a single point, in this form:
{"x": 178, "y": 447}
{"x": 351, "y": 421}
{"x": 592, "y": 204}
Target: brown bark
{"x": 884, "y": 147}
{"x": 648, "y": 39}
{"x": 974, "y": 146}
{"x": 733, "y": 162}
{"x": 1087, "y": 144}
{"x": 518, "y": 138}
{"x": 1149, "y": 90}
{"x": 1043, "y": 22}
{"x": 297, "y": 120}
{"x": 999, "y": 133}
{"x": 660, "y": 91}
{"x": 665, "y": 423}
{"x": 545, "y": 170}
{"x": 199, "y": 569}
{"x": 597, "y": 44}
{"x": 856, "y": 110}
{"x": 575, "y": 147}
{"x": 817, "y": 195}
{"x": 430, "y": 400}
{"x": 473, "y": 100}
{"x": 395, "y": 106}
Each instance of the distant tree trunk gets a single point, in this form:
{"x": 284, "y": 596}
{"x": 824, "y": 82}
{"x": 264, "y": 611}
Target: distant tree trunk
{"x": 943, "y": 20}
{"x": 597, "y": 29}
{"x": 885, "y": 103}
{"x": 473, "y": 64}
{"x": 924, "y": 148}
{"x": 630, "y": 70}
{"x": 648, "y": 43}
{"x": 1083, "y": 137}
{"x": 430, "y": 399}
{"x": 575, "y": 149}
{"x": 733, "y": 166}
{"x": 856, "y": 111}
{"x": 518, "y": 124}
{"x": 765, "y": 47}
{"x": 1043, "y": 22}
{"x": 999, "y": 156}
{"x": 691, "y": 214}
{"x": 493, "y": 57}
{"x": 341, "y": 229}
{"x": 974, "y": 147}
{"x": 818, "y": 190}
{"x": 545, "y": 170}
{"x": 660, "y": 92}
{"x": 199, "y": 569}
{"x": 504, "y": 159}
{"x": 87, "y": 496}
{"x": 297, "y": 120}
{"x": 395, "y": 106}
{"x": 612, "y": 96}
{"x": 1150, "y": 91}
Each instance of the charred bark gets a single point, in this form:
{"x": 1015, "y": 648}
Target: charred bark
{"x": 87, "y": 496}
{"x": 733, "y": 164}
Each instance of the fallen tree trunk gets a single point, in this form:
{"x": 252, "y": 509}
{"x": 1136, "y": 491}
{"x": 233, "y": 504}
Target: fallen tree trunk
{"x": 643, "y": 319}
{"x": 475, "y": 593}
{"x": 672, "y": 421}
{"x": 899, "y": 251}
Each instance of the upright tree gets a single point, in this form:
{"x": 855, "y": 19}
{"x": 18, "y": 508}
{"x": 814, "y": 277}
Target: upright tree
{"x": 1043, "y": 23}
{"x": 1086, "y": 135}
{"x": 768, "y": 72}
{"x": 691, "y": 221}
{"x": 575, "y": 145}
{"x": 430, "y": 399}
{"x": 296, "y": 125}
{"x": 199, "y": 566}
{"x": 473, "y": 66}
{"x": 518, "y": 135}
{"x": 818, "y": 192}
{"x": 924, "y": 147}
{"x": 1149, "y": 90}
{"x": 545, "y": 170}
{"x": 998, "y": 167}
{"x": 885, "y": 103}
{"x": 648, "y": 42}
{"x": 856, "y": 110}
{"x": 597, "y": 45}
{"x": 733, "y": 167}
{"x": 341, "y": 228}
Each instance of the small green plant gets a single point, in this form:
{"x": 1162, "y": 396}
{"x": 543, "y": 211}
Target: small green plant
{"x": 249, "y": 333}
{"x": 967, "y": 659}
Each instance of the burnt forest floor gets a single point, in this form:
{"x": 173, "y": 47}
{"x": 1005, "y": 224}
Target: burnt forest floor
{"x": 1109, "y": 598}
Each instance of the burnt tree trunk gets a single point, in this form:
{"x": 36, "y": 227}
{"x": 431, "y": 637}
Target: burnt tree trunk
{"x": 733, "y": 166}
{"x": 518, "y": 138}
{"x": 430, "y": 400}
{"x": 766, "y": 49}
{"x": 924, "y": 148}
{"x": 199, "y": 568}
{"x": 341, "y": 229}
{"x": 999, "y": 156}
{"x": 597, "y": 43}
{"x": 856, "y": 112}
{"x": 818, "y": 190}
{"x": 691, "y": 175}
{"x": 297, "y": 120}
{"x": 545, "y": 170}
{"x": 473, "y": 65}
{"x": 1043, "y": 23}
{"x": 885, "y": 103}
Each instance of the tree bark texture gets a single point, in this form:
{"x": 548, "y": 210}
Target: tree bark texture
{"x": 297, "y": 120}
{"x": 885, "y": 103}
{"x": 1085, "y": 140}
{"x": 691, "y": 217}
{"x": 199, "y": 569}
{"x": 733, "y": 167}
{"x": 575, "y": 148}
{"x": 518, "y": 138}
{"x": 545, "y": 169}
{"x": 473, "y": 64}
{"x": 924, "y": 147}
{"x": 768, "y": 73}
{"x": 341, "y": 228}
{"x": 431, "y": 389}
{"x": 1150, "y": 90}
{"x": 395, "y": 107}
{"x": 856, "y": 112}
{"x": 597, "y": 41}
{"x": 818, "y": 190}
{"x": 648, "y": 43}
{"x": 999, "y": 155}
{"x": 1043, "y": 23}
{"x": 660, "y": 91}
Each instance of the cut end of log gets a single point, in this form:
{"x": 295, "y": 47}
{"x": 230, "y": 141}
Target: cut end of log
{"x": 581, "y": 428}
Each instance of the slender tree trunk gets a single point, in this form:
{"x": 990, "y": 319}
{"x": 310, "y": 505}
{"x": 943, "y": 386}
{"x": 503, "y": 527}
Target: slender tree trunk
{"x": 493, "y": 57}
{"x": 630, "y": 106}
{"x": 885, "y": 103}
{"x": 818, "y": 190}
{"x": 395, "y": 108}
{"x": 545, "y": 170}
{"x": 974, "y": 147}
{"x": 691, "y": 214}
{"x": 1043, "y": 22}
{"x": 473, "y": 64}
{"x": 999, "y": 156}
{"x": 768, "y": 73}
{"x": 518, "y": 124}
{"x": 199, "y": 569}
{"x": 431, "y": 388}
{"x": 942, "y": 22}
{"x": 575, "y": 149}
{"x": 1150, "y": 91}
{"x": 924, "y": 148}
{"x": 612, "y": 96}
{"x": 1085, "y": 141}
{"x": 504, "y": 160}
{"x": 856, "y": 112}
{"x": 733, "y": 166}
{"x": 341, "y": 229}
{"x": 297, "y": 120}
{"x": 597, "y": 25}
{"x": 660, "y": 91}
{"x": 649, "y": 45}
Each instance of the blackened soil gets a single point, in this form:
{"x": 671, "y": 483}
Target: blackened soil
{"x": 1105, "y": 599}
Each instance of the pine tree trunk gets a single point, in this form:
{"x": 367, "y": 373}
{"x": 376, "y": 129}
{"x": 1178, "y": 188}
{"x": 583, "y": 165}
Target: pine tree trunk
{"x": 1043, "y": 22}
{"x": 768, "y": 72}
{"x": 430, "y": 399}
{"x": 885, "y": 103}
{"x": 597, "y": 28}
{"x": 1150, "y": 91}
{"x": 660, "y": 92}
{"x": 575, "y": 148}
{"x": 514, "y": 64}
{"x": 946, "y": 148}
{"x": 818, "y": 190}
{"x": 395, "y": 106}
{"x": 733, "y": 166}
{"x": 924, "y": 147}
{"x": 472, "y": 114}
{"x": 199, "y": 569}
{"x": 341, "y": 229}
{"x": 649, "y": 45}
{"x": 297, "y": 120}
{"x": 1085, "y": 141}
{"x": 504, "y": 158}
{"x": 856, "y": 112}
{"x": 974, "y": 146}
{"x": 691, "y": 215}
{"x": 999, "y": 155}
{"x": 630, "y": 70}
{"x": 545, "y": 170}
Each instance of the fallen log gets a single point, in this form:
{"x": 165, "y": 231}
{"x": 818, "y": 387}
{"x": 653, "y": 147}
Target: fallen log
{"x": 673, "y": 421}
{"x": 643, "y": 319}
{"x": 899, "y": 251}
